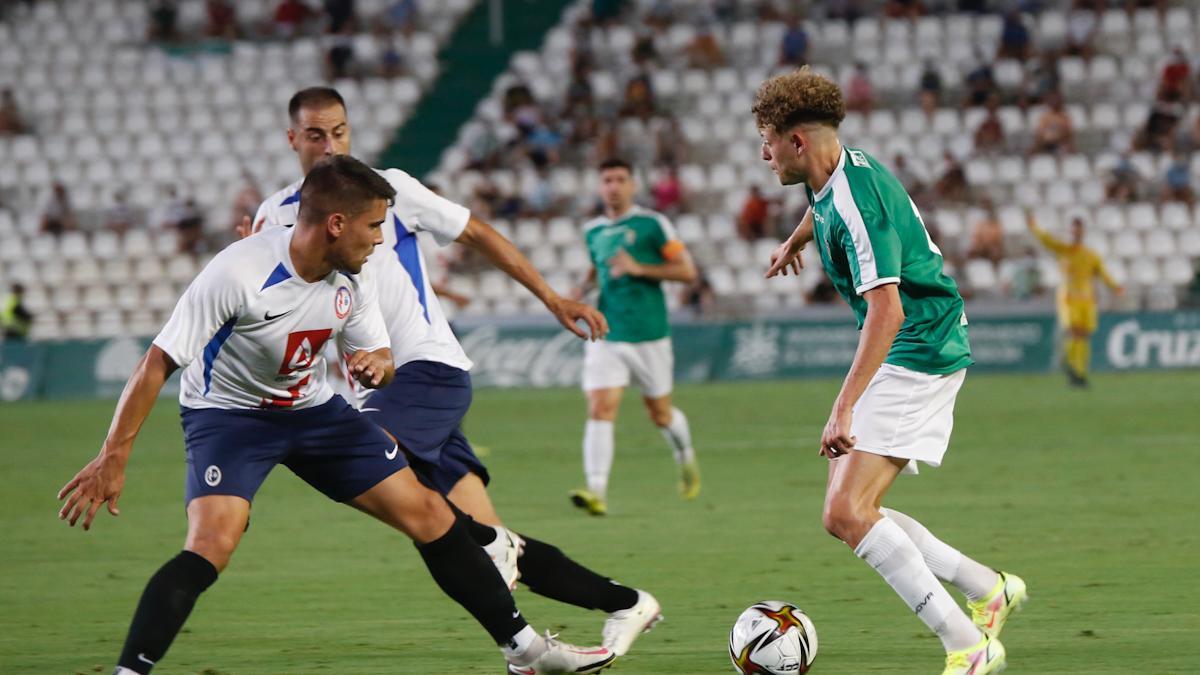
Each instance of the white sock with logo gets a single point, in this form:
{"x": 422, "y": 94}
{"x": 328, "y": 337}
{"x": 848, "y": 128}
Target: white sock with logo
{"x": 679, "y": 437}
{"x": 947, "y": 563}
{"x": 524, "y": 648}
{"x": 889, "y": 550}
{"x": 598, "y": 455}
{"x": 124, "y": 671}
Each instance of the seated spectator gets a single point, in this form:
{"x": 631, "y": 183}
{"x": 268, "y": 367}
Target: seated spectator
{"x": 1015, "y": 41}
{"x": 913, "y": 184}
{"x": 120, "y": 216}
{"x": 844, "y": 10}
{"x": 931, "y": 84}
{"x": 670, "y": 145}
{"x": 704, "y": 51}
{"x": 11, "y": 123}
{"x": 1177, "y": 183}
{"x": 339, "y": 59}
{"x": 639, "y": 98}
{"x": 793, "y": 50}
{"x": 752, "y": 221}
{"x": 660, "y": 16}
{"x": 402, "y": 16}
{"x": 989, "y": 135}
{"x": 951, "y": 186}
{"x": 1124, "y": 181}
{"x": 1026, "y": 280}
{"x": 643, "y": 51}
{"x": 860, "y": 96}
{"x": 1082, "y": 20}
{"x": 164, "y": 19}
{"x": 698, "y": 297}
{"x": 341, "y": 15}
{"x": 58, "y": 216}
{"x": 222, "y": 19}
{"x": 605, "y": 11}
{"x": 1055, "y": 133}
{"x": 980, "y": 81}
{"x": 538, "y": 199}
{"x": 903, "y": 9}
{"x": 391, "y": 60}
{"x": 667, "y": 192}
{"x": 1175, "y": 83}
{"x": 1158, "y": 134}
{"x": 290, "y": 17}
{"x": 1041, "y": 80}
{"x": 15, "y": 317}
{"x": 987, "y": 237}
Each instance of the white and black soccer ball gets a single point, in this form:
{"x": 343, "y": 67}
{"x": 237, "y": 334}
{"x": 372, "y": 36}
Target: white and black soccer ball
{"x": 773, "y": 638}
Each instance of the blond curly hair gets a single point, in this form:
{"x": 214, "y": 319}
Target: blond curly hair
{"x": 798, "y": 97}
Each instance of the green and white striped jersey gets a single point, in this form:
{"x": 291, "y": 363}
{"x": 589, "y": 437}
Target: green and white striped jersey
{"x": 870, "y": 233}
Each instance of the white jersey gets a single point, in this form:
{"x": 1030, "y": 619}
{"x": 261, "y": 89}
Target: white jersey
{"x": 415, "y": 321}
{"x": 249, "y": 330}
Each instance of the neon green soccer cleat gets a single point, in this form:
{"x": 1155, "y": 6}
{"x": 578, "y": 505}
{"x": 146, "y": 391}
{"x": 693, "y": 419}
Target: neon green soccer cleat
{"x": 589, "y": 501}
{"x": 689, "y": 484}
{"x": 986, "y": 657}
{"x": 990, "y": 613}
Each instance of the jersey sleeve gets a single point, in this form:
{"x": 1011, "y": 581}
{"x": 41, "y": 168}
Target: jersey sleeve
{"x": 423, "y": 210}
{"x": 872, "y": 244}
{"x": 667, "y": 241}
{"x": 1102, "y": 272}
{"x": 365, "y": 330}
{"x": 204, "y": 315}
{"x": 1048, "y": 240}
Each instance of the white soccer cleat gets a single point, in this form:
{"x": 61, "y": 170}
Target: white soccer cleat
{"x": 504, "y": 552}
{"x": 560, "y": 657}
{"x": 624, "y": 626}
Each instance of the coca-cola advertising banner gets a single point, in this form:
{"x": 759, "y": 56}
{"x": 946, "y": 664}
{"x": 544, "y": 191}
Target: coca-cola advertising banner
{"x": 547, "y": 356}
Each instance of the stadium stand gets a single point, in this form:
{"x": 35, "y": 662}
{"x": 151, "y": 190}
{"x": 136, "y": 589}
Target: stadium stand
{"x": 118, "y": 118}
{"x": 666, "y": 83}
{"x": 1107, "y": 76}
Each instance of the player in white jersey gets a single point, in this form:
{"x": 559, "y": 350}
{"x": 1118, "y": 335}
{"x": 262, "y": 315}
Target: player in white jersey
{"x": 249, "y": 332}
{"x": 424, "y": 406}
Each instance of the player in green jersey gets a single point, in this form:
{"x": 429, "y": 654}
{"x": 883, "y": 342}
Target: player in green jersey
{"x": 633, "y": 250}
{"x": 896, "y": 405}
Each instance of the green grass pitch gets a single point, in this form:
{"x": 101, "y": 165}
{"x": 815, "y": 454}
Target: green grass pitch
{"x": 1087, "y": 494}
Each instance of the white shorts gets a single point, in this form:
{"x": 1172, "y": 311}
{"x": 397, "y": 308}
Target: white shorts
{"x": 611, "y": 364}
{"x": 907, "y": 414}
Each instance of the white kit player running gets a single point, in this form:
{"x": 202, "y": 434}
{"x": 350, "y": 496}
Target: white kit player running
{"x": 423, "y": 408}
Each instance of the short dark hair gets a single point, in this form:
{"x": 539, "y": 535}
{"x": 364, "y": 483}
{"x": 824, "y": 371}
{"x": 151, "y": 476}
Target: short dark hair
{"x": 341, "y": 184}
{"x": 615, "y": 163}
{"x": 314, "y": 97}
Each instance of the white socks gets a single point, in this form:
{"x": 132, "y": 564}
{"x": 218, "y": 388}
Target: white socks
{"x": 597, "y": 455}
{"x": 518, "y": 649}
{"x": 124, "y": 671}
{"x": 889, "y": 550}
{"x": 946, "y": 562}
{"x": 679, "y": 437}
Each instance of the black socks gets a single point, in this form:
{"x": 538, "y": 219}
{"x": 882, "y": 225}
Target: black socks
{"x": 168, "y": 599}
{"x": 547, "y": 571}
{"x": 465, "y": 573}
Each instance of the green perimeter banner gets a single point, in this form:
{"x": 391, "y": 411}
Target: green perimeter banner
{"x": 547, "y": 356}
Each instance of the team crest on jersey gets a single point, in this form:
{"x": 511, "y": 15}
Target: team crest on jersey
{"x": 342, "y": 302}
{"x": 857, "y": 158}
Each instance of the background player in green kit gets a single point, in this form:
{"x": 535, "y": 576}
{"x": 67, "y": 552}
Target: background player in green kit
{"x": 896, "y": 405}
{"x": 633, "y": 250}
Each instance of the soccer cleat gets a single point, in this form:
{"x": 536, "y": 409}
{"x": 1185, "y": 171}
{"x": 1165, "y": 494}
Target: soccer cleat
{"x": 505, "y": 551}
{"x": 689, "y": 485}
{"x": 990, "y": 613}
{"x": 589, "y": 501}
{"x": 560, "y": 657}
{"x": 986, "y": 657}
{"x": 624, "y": 626}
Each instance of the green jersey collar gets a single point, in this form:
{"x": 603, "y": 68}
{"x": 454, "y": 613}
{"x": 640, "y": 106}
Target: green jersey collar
{"x": 841, "y": 165}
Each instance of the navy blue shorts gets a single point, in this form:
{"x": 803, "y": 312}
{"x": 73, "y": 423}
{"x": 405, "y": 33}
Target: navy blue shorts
{"x": 332, "y": 447}
{"x": 423, "y": 408}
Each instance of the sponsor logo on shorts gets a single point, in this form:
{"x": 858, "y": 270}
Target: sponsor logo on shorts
{"x": 212, "y": 475}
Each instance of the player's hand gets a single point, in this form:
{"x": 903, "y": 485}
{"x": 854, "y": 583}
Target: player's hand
{"x": 569, "y": 312}
{"x": 247, "y": 228}
{"x": 369, "y": 368}
{"x": 623, "y": 264}
{"x": 98, "y": 483}
{"x": 836, "y": 439}
{"x": 785, "y": 257}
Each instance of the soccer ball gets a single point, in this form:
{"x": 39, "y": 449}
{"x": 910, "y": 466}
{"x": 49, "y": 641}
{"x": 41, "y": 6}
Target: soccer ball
{"x": 773, "y": 638}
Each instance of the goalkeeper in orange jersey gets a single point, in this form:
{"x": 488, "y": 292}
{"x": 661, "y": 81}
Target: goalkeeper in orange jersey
{"x": 1076, "y": 295}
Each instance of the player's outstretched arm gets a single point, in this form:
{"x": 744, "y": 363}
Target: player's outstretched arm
{"x": 372, "y": 369}
{"x": 101, "y": 481}
{"x": 885, "y": 315}
{"x": 678, "y": 268}
{"x": 787, "y": 255}
{"x": 505, "y": 256}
